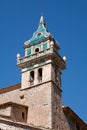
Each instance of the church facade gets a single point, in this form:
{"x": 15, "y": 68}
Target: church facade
{"x": 36, "y": 102}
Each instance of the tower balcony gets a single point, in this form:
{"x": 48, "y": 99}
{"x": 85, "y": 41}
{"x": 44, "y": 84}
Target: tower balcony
{"x": 35, "y": 58}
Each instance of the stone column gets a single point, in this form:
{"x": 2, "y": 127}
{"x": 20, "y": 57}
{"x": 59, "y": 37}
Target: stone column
{"x": 36, "y": 76}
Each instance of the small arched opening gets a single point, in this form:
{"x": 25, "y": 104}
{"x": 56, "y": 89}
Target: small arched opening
{"x": 40, "y": 75}
{"x": 37, "y": 50}
{"x": 31, "y": 77}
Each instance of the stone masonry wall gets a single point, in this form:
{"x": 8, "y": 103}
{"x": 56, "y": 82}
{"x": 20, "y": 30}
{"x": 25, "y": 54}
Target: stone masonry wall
{"x": 43, "y": 101}
{"x": 8, "y": 125}
{"x": 38, "y": 100}
{"x": 46, "y": 76}
{"x": 4, "y": 126}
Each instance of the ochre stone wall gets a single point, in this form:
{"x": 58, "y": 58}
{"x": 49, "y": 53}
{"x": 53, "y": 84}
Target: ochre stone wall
{"x": 43, "y": 100}
{"x": 4, "y": 126}
{"x": 5, "y": 111}
{"x": 56, "y": 107}
{"x": 38, "y": 100}
{"x": 8, "y": 96}
{"x": 46, "y": 76}
{"x": 9, "y": 125}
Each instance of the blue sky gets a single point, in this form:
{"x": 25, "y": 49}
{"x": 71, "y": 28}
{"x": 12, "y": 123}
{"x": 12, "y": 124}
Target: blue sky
{"x": 67, "y": 22}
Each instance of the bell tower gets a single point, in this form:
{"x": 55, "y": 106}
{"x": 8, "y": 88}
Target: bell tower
{"x": 41, "y": 69}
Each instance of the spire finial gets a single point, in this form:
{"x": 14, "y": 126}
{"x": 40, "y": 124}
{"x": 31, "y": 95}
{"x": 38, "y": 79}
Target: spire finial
{"x": 42, "y": 20}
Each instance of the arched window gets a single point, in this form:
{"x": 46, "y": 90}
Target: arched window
{"x": 32, "y": 77}
{"x": 40, "y": 75}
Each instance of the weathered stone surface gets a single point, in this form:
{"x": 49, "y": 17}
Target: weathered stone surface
{"x": 9, "y": 125}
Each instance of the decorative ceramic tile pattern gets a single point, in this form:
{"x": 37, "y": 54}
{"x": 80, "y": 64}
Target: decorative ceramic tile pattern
{"x": 39, "y": 35}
